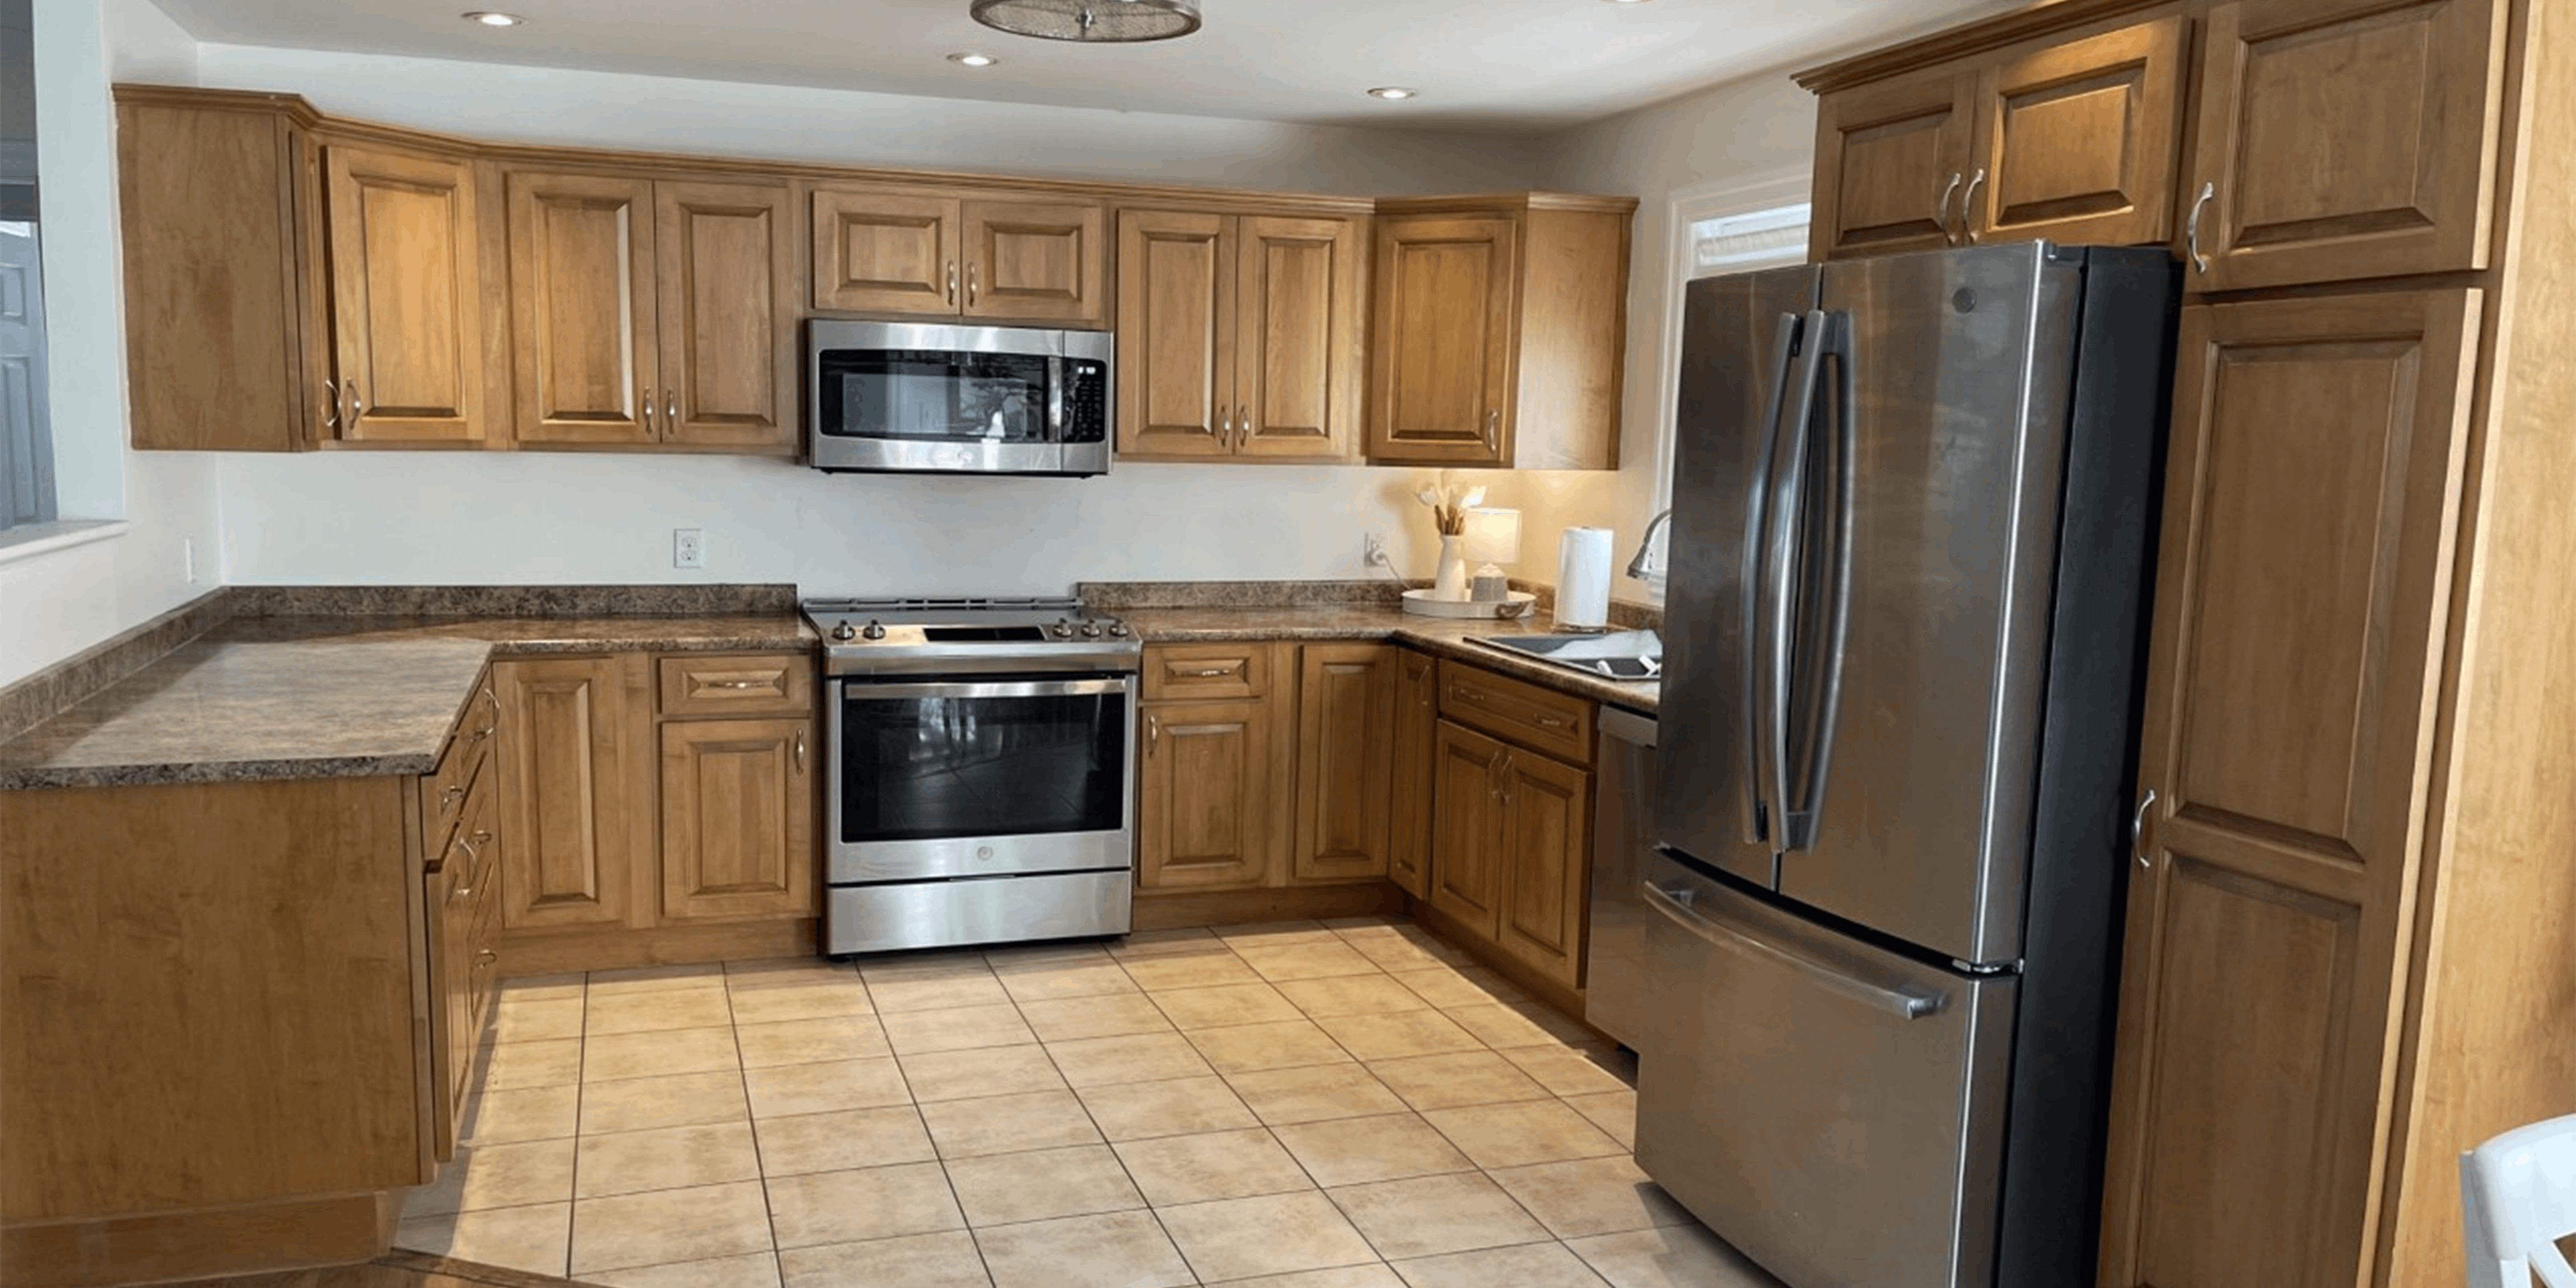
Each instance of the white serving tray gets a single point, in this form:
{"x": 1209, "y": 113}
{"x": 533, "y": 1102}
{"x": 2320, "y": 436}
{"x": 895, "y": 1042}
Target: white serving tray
{"x": 1513, "y": 604}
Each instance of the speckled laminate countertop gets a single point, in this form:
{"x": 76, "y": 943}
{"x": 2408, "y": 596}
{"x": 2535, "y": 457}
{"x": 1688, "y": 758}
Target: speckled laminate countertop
{"x": 1443, "y": 636}
{"x": 327, "y": 696}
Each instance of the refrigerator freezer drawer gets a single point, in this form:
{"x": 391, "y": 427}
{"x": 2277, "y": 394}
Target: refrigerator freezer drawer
{"x": 1834, "y": 1110}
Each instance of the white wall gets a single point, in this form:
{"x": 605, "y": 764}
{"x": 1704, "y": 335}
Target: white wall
{"x": 1762, "y": 125}
{"x": 59, "y": 601}
{"x": 531, "y": 517}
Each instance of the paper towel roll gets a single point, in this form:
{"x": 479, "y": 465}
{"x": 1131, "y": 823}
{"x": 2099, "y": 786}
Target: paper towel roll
{"x": 1583, "y": 578}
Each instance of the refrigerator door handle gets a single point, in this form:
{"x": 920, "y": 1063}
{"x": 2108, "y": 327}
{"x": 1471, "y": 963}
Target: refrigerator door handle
{"x": 1832, "y": 339}
{"x": 1673, "y": 904}
{"x": 1779, "y": 627}
{"x": 1757, "y": 530}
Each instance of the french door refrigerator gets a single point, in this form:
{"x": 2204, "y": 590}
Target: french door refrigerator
{"x": 1903, "y": 643}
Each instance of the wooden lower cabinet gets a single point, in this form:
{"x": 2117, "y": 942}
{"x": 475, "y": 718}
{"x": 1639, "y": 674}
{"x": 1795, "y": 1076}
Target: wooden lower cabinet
{"x": 1545, "y": 843}
{"x": 1210, "y": 807}
{"x": 1345, "y": 780}
{"x": 737, "y": 819}
{"x": 1415, "y": 717}
{"x": 574, "y": 744}
{"x": 1466, "y": 814}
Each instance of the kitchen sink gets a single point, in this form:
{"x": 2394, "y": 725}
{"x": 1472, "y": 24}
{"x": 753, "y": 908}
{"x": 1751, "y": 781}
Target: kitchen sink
{"x": 1618, "y": 655}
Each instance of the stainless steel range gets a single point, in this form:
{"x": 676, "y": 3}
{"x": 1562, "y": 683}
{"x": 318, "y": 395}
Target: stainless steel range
{"x": 981, "y": 760}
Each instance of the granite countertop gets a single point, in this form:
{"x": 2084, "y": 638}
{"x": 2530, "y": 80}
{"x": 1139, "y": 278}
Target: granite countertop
{"x": 1442, "y": 636}
{"x": 327, "y": 696}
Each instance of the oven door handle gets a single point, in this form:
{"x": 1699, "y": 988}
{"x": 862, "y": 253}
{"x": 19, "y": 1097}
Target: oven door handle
{"x": 869, "y": 691}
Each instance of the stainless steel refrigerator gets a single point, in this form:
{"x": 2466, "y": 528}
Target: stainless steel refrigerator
{"x": 1903, "y": 646}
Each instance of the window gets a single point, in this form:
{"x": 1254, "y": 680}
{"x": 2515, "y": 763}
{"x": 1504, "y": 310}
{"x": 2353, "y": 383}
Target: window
{"x": 1749, "y": 240}
{"x": 26, "y": 442}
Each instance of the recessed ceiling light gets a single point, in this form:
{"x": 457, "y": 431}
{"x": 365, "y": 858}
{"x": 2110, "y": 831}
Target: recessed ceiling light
{"x": 491, "y": 18}
{"x": 1392, "y": 92}
{"x": 974, "y": 60}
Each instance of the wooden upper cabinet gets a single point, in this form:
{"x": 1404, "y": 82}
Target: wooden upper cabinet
{"x": 652, "y": 312}
{"x": 1891, "y": 161}
{"x": 2346, "y": 139}
{"x": 2079, "y": 141}
{"x": 727, "y": 270}
{"x": 582, "y": 307}
{"x": 923, "y": 252}
{"x": 1344, "y": 765}
{"x": 2073, "y": 140}
{"x": 737, "y": 819}
{"x": 1500, "y": 331}
{"x": 1036, "y": 260}
{"x": 406, "y": 296}
{"x": 1211, "y": 812}
{"x": 2303, "y": 589}
{"x": 1238, "y": 336}
{"x": 574, "y": 802}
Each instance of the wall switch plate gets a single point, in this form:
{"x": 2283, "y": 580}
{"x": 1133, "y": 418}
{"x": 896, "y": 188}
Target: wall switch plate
{"x": 688, "y": 548}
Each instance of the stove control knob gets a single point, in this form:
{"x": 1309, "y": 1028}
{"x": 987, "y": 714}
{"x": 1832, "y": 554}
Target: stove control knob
{"x": 1091, "y": 630}
{"x": 845, "y": 631}
{"x": 875, "y": 631}
{"x": 1063, "y": 630}
{"x": 1118, "y": 629}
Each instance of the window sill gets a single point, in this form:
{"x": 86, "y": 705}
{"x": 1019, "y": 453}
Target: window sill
{"x": 34, "y": 540}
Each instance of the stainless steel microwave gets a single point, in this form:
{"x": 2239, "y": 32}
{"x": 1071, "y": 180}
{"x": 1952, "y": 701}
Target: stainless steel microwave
{"x": 937, "y": 398}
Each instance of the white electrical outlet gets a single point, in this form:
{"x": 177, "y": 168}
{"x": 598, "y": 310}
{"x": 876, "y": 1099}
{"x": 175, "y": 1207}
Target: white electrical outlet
{"x": 1372, "y": 550}
{"x": 688, "y": 548}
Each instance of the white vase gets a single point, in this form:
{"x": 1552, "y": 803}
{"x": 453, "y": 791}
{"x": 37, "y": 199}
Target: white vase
{"x": 1450, "y": 582}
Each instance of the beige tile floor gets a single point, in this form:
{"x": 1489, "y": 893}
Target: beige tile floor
{"x": 1347, "y": 1104}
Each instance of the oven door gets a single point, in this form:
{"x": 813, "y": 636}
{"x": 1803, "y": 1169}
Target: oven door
{"x": 945, "y": 778}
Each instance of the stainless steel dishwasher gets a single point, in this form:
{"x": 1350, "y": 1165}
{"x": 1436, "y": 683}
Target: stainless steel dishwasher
{"x": 1623, "y": 814}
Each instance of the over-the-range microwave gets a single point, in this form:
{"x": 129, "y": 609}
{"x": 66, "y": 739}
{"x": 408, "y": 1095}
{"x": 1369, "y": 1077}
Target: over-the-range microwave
{"x": 939, "y": 398}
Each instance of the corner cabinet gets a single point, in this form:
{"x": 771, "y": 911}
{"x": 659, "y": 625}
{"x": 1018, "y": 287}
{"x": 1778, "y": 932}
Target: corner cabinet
{"x": 651, "y": 310}
{"x": 2069, "y": 139}
{"x": 1499, "y": 328}
{"x": 933, "y": 252}
{"x": 1239, "y": 335}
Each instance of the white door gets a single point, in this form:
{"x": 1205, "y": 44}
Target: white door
{"x": 26, "y": 450}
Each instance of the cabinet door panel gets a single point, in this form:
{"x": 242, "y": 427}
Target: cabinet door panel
{"x": 885, "y": 252}
{"x": 727, "y": 266}
{"x": 1296, "y": 336}
{"x": 1445, "y": 304}
{"x": 1175, "y": 326}
{"x": 1891, "y": 161}
{"x": 2347, "y": 140}
{"x": 737, "y": 819}
{"x": 1545, "y": 837}
{"x": 1038, "y": 260}
{"x": 570, "y": 791}
{"x": 406, "y": 292}
{"x": 1416, "y": 714}
{"x": 1466, "y": 852}
{"x": 1343, "y": 768}
{"x": 582, "y": 300}
{"x": 1209, "y": 815}
{"x": 2081, "y": 140}
{"x": 2311, "y": 505}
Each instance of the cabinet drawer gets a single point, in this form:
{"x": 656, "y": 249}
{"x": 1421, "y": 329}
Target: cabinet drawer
{"x": 1204, "y": 672}
{"x": 442, "y": 790}
{"x": 1540, "y": 719}
{"x": 737, "y": 684}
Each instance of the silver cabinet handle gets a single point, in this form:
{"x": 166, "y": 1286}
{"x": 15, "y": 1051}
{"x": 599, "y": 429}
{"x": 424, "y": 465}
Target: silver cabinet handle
{"x": 1494, "y": 431}
{"x": 2138, "y": 828}
{"x": 974, "y": 282}
{"x": 1153, "y": 734}
{"x": 1210, "y": 672}
{"x": 485, "y": 957}
{"x": 1243, "y": 425}
{"x": 1968, "y": 207}
{"x": 1675, "y": 906}
{"x": 670, "y": 411}
{"x": 738, "y": 684}
{"x": 448, "y": 799}
{"x": 800, "y": 751}
{"x": 952, "y": 281}
{"x": 356, "y": 404}
{"x": 1225, "y": 429}
{"x": 646, "y": 395}
{"x": 1941, "y": 211}
{"x": 489, "y": 729}
{"x": 2191, "y": 227}
{"x": 1552, "y": 722}
{"x": 331, "y": 405}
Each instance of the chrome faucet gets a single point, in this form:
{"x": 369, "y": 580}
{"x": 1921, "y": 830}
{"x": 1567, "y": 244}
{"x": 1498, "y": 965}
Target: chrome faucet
{"x": 1645, "y": 566}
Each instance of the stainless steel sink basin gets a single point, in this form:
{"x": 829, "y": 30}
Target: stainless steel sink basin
{"x": 1618, "y": 655}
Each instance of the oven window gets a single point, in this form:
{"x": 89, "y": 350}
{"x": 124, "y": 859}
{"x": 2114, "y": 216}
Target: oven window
{"x": 933, "y": 396}
{"x": 936, "y": 768}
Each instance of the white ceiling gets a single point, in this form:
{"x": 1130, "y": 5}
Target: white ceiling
{"x": 1505, "y": 67}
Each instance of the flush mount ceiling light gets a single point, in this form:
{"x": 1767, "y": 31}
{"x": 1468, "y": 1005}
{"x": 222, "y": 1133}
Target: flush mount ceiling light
{"x": 1089, "y": 21}
{"x": 1393, "y": 93}
{"x": 492, "y": 18}
{"x": 974, "y": 60}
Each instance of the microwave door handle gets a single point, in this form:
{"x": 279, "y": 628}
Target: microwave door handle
{"x": 1055, "y": 400}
